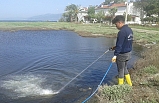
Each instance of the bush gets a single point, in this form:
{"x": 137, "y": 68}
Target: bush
{"x": 150, "y": 69}
{"x": 115, "y": 93}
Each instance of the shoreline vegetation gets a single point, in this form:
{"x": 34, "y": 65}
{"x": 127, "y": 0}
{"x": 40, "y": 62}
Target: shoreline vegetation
{"x": 144, "y": 74}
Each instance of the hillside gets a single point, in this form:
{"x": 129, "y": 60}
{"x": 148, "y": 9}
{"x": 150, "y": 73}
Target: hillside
{"x": 46, "y": 17}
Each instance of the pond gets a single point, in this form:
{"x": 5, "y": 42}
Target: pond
{"x": 34, "y": 65}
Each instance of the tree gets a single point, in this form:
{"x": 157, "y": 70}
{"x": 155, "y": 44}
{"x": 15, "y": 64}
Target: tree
{"x": 129, "y": 16}
{"x": 112, "y": 12}
{"x": 71, "y": 13}
{"x": 100, "y": 16}
{"x": 139, "y": 5}
{"x": 91, "y": 12}
{"x": 113, "y": 1}
{"x": 151, "y": 7}
{"x": 66, "y": 16}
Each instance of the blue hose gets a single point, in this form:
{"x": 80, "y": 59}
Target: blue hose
{"x": 98, "y": 85}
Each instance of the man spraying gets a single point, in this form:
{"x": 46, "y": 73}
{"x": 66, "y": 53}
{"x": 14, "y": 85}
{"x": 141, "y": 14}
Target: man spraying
{"x": 122, "y": 49}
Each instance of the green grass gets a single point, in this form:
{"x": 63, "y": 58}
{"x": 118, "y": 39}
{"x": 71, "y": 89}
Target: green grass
{"x": 156, "y": 28}
{"x": 88, "y": 28}
{"x": 144, "y": 38}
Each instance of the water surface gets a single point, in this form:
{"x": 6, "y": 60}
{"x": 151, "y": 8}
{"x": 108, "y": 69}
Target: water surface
{"x": 34, "y": 65}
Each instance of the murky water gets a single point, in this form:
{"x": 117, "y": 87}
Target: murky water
{"x": 35, "y": 65}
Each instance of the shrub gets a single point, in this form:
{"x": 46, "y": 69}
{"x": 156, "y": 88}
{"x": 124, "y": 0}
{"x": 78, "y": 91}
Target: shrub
{"x": 150, "y": 69}
{"x": 114, "y": 93}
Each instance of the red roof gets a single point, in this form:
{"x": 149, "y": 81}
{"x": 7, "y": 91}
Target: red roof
{"x": 112, "y": 6}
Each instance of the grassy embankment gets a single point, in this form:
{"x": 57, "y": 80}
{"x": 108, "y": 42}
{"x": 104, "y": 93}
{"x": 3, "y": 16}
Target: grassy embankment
{"x": 145, "y": 75}
{"x": 84, "y": 30}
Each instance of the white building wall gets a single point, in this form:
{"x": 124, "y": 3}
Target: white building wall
{"x": 81, "y": 16}
{"x": 130, "y": 8}
{"x": 120, "y": 10}
{"x": 104, "y": 10}
{"x": 134, "y": 11}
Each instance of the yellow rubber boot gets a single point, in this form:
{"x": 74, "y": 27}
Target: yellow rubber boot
{"x": 128, "y": 79}
{"x": 120, "y": 81}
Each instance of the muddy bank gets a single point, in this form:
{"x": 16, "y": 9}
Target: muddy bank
{"x": 89, "y": 34}
{"x": 81, "y": 33}
{"x": 24, "y": 28}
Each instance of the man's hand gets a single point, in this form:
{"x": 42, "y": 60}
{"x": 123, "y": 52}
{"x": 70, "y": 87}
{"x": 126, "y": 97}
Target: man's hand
{"x": 112, "y": 48}
{"x": 114, "y": 59}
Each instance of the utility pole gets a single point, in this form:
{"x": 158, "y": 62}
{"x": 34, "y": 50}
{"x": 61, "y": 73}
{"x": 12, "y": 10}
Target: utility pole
{"x": 126, "y": 14}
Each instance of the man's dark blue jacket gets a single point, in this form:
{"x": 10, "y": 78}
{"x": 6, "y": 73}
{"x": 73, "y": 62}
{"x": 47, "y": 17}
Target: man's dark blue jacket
{"x": 124, "y": 40}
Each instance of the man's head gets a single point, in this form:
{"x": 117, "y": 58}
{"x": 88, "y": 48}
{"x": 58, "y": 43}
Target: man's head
{"x": 119, "y": 21}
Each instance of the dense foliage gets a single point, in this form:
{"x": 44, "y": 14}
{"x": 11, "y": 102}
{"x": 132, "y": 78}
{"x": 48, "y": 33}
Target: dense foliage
{"x": 150, "y": 8}
{"x": 71, "y": 13}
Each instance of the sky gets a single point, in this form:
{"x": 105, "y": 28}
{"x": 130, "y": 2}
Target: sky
{"x": 21, "y": 9}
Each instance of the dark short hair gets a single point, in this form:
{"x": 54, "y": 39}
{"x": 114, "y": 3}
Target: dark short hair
{"x": 118, "y": 18}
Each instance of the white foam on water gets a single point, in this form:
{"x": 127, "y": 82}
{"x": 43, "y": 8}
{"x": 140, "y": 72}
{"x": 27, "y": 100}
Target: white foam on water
{"x": 27, "y": 85}
{"x": 48, "y": 92}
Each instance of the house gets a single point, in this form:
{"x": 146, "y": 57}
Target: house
{"x": 82, "y": 14}
{"x": 121, "y": 9}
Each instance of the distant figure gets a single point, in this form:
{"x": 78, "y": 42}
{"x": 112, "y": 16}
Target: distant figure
{"x": 122, "y": 49}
